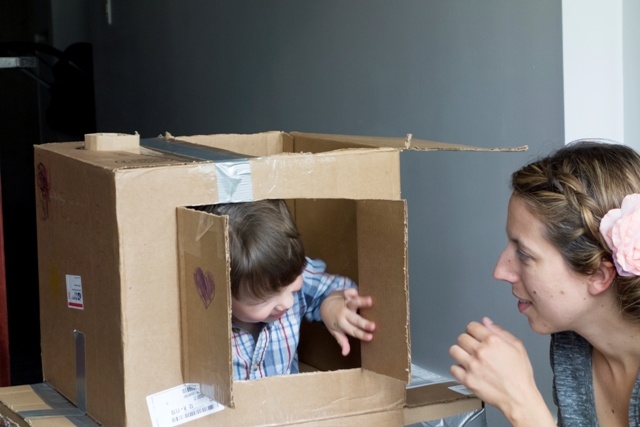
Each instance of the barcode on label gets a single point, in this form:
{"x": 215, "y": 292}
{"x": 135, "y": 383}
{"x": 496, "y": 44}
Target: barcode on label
{"x": 191, "y": 414}
{"x": 179, "y": 405}
{"x": 189, "y": 389}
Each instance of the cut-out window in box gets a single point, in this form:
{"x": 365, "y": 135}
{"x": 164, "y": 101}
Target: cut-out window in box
{"x": 365, "y": 240}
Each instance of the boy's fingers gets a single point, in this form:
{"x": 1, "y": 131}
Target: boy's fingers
{"x": 361, "y": 322}
{"x": 358, "y": 302}
{"x": 355, "y": 330}
{"x": 343, "y": 341}
{"x": 350, "y": 293}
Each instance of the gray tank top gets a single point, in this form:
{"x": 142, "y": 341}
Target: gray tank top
{"x": 573, "y": 383}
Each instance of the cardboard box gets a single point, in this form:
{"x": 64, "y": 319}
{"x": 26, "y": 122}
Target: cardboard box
{"x": 108, "y": 234}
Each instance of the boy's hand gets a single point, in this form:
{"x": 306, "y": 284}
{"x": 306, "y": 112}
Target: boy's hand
{"x": 339, "y": 313}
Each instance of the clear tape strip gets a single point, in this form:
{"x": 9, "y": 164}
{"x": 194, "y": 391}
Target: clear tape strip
{"x": 60, "y": 407}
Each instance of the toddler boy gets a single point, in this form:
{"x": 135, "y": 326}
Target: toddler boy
{"x": 273, "y": 285}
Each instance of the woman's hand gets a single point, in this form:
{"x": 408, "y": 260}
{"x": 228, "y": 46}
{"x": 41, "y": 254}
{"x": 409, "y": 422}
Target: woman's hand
{"x": 339, "y": 313}
{"x": 495, "y": 366}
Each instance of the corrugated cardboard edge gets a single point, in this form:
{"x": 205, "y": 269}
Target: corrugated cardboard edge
{"x": 76, "y": 151}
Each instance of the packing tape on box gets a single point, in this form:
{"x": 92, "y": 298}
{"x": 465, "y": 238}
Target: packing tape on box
{"x": 61, "y": 407}
{"x": 234, "y": 182}
{"x": 233, "y": 172}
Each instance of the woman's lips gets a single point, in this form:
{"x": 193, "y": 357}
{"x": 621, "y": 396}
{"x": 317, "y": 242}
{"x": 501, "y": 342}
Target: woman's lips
{"x": 523, "y": 305}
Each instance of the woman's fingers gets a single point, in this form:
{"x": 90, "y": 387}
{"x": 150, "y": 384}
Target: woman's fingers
{"x": 460, "y": 355}
{"x": 499, "y": 330}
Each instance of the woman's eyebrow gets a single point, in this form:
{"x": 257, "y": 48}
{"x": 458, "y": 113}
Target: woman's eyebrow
{"x": 522, "y": 246}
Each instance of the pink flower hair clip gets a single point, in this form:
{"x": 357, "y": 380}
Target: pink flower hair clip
{"x": 621, "y": 230}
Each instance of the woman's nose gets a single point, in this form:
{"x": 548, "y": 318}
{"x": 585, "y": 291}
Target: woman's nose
{"x": 506, "y": 268}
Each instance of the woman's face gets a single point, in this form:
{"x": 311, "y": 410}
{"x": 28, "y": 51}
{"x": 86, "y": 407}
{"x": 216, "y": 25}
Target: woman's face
{"x": 549, "y": 293}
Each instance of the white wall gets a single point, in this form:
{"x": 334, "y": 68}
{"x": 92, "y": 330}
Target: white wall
{"x": 631, "y": 67}
{"x": 601, "y": 56}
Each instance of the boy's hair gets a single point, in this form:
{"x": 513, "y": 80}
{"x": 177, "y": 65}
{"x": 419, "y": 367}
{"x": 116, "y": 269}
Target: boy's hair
{"x": 265, "y": 247}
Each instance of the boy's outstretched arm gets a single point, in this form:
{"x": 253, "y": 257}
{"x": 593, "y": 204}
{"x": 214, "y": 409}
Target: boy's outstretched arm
{"x": 339, "y": 313}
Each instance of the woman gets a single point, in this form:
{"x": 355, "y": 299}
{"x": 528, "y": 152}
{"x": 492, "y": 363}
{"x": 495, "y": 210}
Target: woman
{"x": 573, "y": 262}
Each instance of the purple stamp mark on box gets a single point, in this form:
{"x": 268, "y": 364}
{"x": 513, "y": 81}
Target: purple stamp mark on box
{"x": 205, "y": 285}
{"x": 44, "y": 186}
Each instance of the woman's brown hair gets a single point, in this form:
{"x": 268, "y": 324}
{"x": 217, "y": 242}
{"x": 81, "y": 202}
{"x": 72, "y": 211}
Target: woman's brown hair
{"x": 570, "y": 191}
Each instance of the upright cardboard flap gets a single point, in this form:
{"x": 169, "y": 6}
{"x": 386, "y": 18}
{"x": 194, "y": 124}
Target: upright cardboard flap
{"x": 382, "y": 272}
{"x": 205, "y": 290}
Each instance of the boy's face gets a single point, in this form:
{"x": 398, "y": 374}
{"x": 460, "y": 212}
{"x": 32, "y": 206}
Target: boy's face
{"x": 268, "y": 310}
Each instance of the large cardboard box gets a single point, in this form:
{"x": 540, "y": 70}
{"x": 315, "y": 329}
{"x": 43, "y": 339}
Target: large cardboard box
{"x": 116, "y": 222}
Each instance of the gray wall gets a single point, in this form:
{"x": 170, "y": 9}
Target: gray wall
{"x": 485, "y": 73}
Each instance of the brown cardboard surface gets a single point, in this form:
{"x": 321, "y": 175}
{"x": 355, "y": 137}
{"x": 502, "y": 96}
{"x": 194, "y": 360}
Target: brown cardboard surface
{"x": 328, "y": 231}
{"x": 432, "y": 394}
{"x": 294, "y": 399}
{"x": 114, "y": 159}
{"x": 78, "y": 235}
{"x": 112, "y": 142}
{"x": 205, "y": 292}
{"x": 347, "y": 174}
{"x": 437, "y": 401}
{"x": 256, "y": 145}
{"x": 382, "y": 269}
{"x": 318, "y": 142}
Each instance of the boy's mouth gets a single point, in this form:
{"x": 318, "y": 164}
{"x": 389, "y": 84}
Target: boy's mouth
{"x": 278, "y": 315}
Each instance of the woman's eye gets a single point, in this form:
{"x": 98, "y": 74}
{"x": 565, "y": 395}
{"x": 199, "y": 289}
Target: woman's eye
{"x": 521, "y": 255}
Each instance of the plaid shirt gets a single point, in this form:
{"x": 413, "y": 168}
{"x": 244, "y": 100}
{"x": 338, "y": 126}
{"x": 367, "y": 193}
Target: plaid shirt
{"x": 275, "y": 351}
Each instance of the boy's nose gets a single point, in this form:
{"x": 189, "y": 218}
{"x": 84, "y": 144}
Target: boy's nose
{"x": 285, "y": 303}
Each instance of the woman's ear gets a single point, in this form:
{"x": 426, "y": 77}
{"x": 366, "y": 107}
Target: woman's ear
{"x": 603, "y": 277}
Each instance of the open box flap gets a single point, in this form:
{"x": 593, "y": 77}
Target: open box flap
{"x": 382, "y": 274}
{"x": 203, "y": 243}
{"x": 315, "y": 143}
